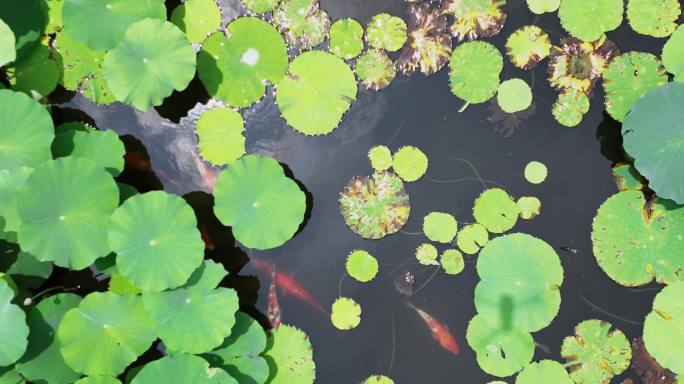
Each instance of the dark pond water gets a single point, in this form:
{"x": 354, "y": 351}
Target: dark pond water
{"x": 417, "y": 111}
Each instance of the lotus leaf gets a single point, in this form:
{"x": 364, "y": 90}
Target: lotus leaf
{"x": 570, "y": 107}
{"x": 181, "y": 369}
{"x": 514, "y": 95}
{"x": 221, "y": 135}
{"x": 380, "y": 158}
{"x": 596, "y": 352}
{"x": 543, "y": 6}
{"x": 53, "y": 8}
{"x": 98, "y": 380}
{"x": 375, "y": 206}
{"x": 120, "y": 285}
{"x": 428, "y": 47}
{"x": 197, "y": 18}
{"x": 664, "y": 328}
{"x": 260, "y": 6}
{"x": 440, "y": 227}
{"x": 588, "y": 21}
{"x": 302, "y": 22}
{"x": 657, "y": 18}
{"x": 475, "y": 18}
{"x": 10, "y": 181}
{"x": 511, "y": 297}
{"x": 22, "y": 268}
{"x": 234, "y": 68}
{"x": 626, "y": 177}
{"x": 647, "y": 367}
{"x": 471, "y": 237}
{"x": 636, "y": 242}
{"x": 545, "y": 371}
{"x": 426, "y": 254}
{"x": 69, "y": 227}
{"x": 386, "y": 32}
{"x": 378, "y": 379}
{"x": 14, "y": 331}
{"x": 362, "y": 266}
{"x": 500, "y": 351}
{"x": 673, "y": 54}
{"x": 267, "y": 213}
{"x": 527, "y": 46}
{"x": 316, "y": 93}
{"x": 8, "y": 51}
{"x": 627, "y": 78}
{"x": 37, "y": 74}
{"x": 410, "y": 163}
{"x": 475, "y": 69}
{"x": 529, "y": 206}
{"x": 105, "y": 333}
{"x": 375, "y": 69}
{"x": 345, "y": 314}
{"x": 452, "y": 262}
{"x": 652, "y": 135}
{"x": 289, "y": 349}
{"x": 496, "y": 210}
{"x": 346, "y": 38}
{"x": 535, "y": 172}
{"x": 578, "y": 65}
{"x": 153, "y": 59}
{"x": 102, "y": 147}
{"x": 27, "y": 21}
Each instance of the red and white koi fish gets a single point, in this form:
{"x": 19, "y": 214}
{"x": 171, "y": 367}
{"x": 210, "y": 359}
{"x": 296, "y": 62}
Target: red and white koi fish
{"x": 440, "y": 332}
{"x": 273, "y": 311}
{"x": 288, "y": 285}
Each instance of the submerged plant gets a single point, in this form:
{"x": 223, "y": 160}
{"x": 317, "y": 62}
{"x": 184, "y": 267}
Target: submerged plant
{"x": 579, "y": 64}
{"x": 375, "y": 69}
{"x": 527, "y": 46}
{"x": 475, "y": 18}
{"x": 428, "y": 47}
{"x": 535, "y": 172}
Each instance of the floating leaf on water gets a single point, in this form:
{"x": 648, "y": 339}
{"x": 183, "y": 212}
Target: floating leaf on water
{"x": 543, "y": 6}
{"x": 471, "y": 237}
{"x": 268, "y": 213}
{"x": 426, "y": 254}
{"x": 289, "y": 349}
{"x": 103, "y": 147}
{"x": 428, "y": 47}
{"x": 375, "y": 69}
{"x": 98, "y": 380}
{"x": 10, "y": 182}
{"x": 410, "y": 163}
{"x": 626, "y": 177}
{"x": 346, "y": 38}
{"x": 545, "y": 371}
{"x": 220, "y": 132}
{"x": 596, "y": 352}
{"x": 496, "y": 210}
{"x": 673, "y": 54}
{"x": 527, "y": 46}
{"x": 37, "y": 73}
{"x": 380, "y": 158}
{"x": 452, "y": 262}
{"x": 8, "y": 51}
{"x": 316, "y": 93}
{"x": 652, "y": 135}
{"x": 588, "y": 21}
{"x": 375, "y": 206}
{"x": 514, "y": 95}
{"x": 536, "y": 172}
{"x": 260, "y": 6}
{"x": 475, "y": 18}
{"x": 664, "y": 328}
{"x": 181, "y": 369}
{"x": 440, "y": 227}
{"x": 346, "y": 313}
{"x": 14, "y": 331}
{"x": 362, "y": 266}
{"x": 657, "y": 18}
{"x": 378, "y": 379}
{"x": 475, "y": 69}
{"x": 627, "y": 78}
{"x": 302, "y": 22}
{"x": 234, "y": 68}
{"x": 500, "y": 351}
{"x": 529, "y": 206}
{"x": 570, "y": 107}
{"x": 578, "y": 65}
{"x": 27, "y": 21}
{"x": 102, "y": 24}
{"x": 636, "y": 242}
{"x": 156, "y": 241}
{"x": 120, "y": 285}
{"x": 386, "y": 32}
{"x": 69, "y": 226}
{"x": 197, "y": 18}
{"x": 647, "y": 367}
{"x": 520, "y": 283}
{"x": 118, "y": 325}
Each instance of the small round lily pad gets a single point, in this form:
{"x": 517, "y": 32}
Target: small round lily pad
{"x": 529, "y": 207}
{"x": 527, "y": 46}
{"x": 375, "y": 69}
{"x": 197, "y": 18}
{"x": 440, "y": 227}
{"x": 302, "y": 22}
{"x": 496, "y": 210}
{"x": 378, "y": 379}
{"x": 570, "y": 107}
{"x": 500, "y": 351}
{"x": 471, "y": 238}
{"x": 386, "y": 32}
{"x": 514, "y": 95}
{"x": 410, "y": 163}
{"x": 588, "y": 21}
{"x": 220, "y": 132}
{"x": 380, "y": 158}
{"x": 543, "y": 6}
{"x": 346, "y": 314}
{"x": 290, "y": 349}
{"x": 346, "y": 38}
{"x": 545, "y": 371}
{"x": 452, "y": 262}
{"x": 475, "y": 69}
{"x": 362, "y": 266}
{"x": 657, "y": 18}
{"x": 535, "y": 172}
{"x": 426, "y": 254}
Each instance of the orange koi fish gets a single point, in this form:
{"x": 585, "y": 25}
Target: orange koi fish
{"x": 288, "y": 285}
{"x": 440, "y": 332}
{"x": 273, "y": 311}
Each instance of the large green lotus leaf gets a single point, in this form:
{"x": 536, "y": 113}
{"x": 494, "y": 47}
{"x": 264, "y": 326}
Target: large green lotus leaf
{"x": 37, "y": 74}
{"x": 120, "y": 285}
{"x": 657, "y": 18}
{"x": 475, "y": 69}
{"x": 316, "y": 93}
{"x": 98, "y": 380}
{"x": 220, "y": 132}
{"x": 10, "y": 181}
{"x": 386, "y": 32}
{"x": 27, "y": 21}
{"x": 156, "y": 241}
{"x": 181, "y": 369}
{"x": 53, "y": 8}
{"x": 102, "y": 24}
{"x": 103, "y": 147}
{"x": 635, "y": 243}
{"x": 105, "y": 333}
{"x": 500, "y": 351}
{"x": 475, "y": 18}
{"x": 14, "y": 331}
{"x": 207, "y": 277}
{"x": 440, "y": 227}
{"x": 428, "y": 47}
{"x": 346, "y": 38}
{"x": 43, "y": 362}
{"x": 260, "y": 6}
{"x": 64, "y": 207}
{"x": 652, "y": 134}
{"x": 588, "y": 21}
{"x": 234, "y": 68}
{"x": 259, "y": 202}
{"x": 375, "y": 69}
{"x": 627, "y": 78}
{"x": 290, "y": 356}
{"x": 8, "y": 52}
{"x": 527, "y": 46}
{"x": 596, "y": 352}
{"x": 375, "y": 206}
{"x": 197, "y": 18}
{"x": 26, "y": 131}
{"x": 302, "y": 22}
{"x": 496, "y": 210}
{"x": 153, "y": 59}
{"x": 664, "y": 328}
{"x": 543, "y": 6}
{"x": 240, "y": 353}
{"x": 673, "y": 54}
{"x": 520, "y": 283}
{"x": 545, "y": 371}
